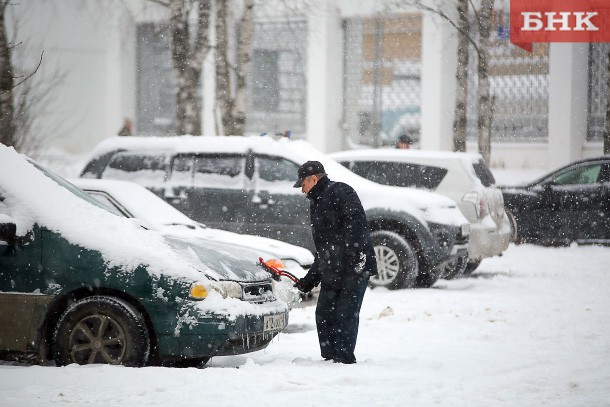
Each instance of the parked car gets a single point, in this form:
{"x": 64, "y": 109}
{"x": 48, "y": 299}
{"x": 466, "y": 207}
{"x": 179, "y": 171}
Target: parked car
{"x": 570, "y": 204}
{"x": 134, "y": 201}
{"x": 463, "y": 177}
{"x": 245, "y": 184}
{"x": 79, "y": 284}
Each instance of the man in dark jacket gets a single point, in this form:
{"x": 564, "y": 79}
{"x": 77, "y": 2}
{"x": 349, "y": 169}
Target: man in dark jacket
{"x": 344, "y": 260}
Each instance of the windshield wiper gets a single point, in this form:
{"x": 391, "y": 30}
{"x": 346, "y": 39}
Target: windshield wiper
{"x": 188, "y": 225}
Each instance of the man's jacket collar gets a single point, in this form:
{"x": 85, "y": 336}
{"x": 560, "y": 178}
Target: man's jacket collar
{"x": 316, "y": 191}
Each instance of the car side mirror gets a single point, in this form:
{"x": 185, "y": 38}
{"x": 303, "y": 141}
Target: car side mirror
{"x": 8, "y": 231}
{"x": 548, "y": 186}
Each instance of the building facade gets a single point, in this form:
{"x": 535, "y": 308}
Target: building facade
{"x": 340, "y": 74}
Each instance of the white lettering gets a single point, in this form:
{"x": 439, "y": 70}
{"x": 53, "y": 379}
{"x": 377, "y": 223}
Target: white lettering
{"x": 532, "y": 21}
{"x": 563, "y": 19}
{"x": 581, "y": 20}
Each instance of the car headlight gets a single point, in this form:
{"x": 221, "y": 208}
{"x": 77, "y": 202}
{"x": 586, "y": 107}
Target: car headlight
{"x": 466, "y": 229}
{"x": 227, "y": 289}
{"x": 198, "y": 291}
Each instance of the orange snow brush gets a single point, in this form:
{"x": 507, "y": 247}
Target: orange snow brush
{"x": 275, "y": 272}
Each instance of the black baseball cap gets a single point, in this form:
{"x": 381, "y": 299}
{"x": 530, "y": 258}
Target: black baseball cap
{"x": 307, "y": 169}
{"x": 405, "y": 138}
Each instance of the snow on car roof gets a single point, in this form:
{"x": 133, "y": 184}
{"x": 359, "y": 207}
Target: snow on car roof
{"x": 397, "y": 154}
{"x": 298, "y": 151}
{"x": 33, "y": 197}
{"x": 136, "y": 199}
{"x": 148, "y": 207}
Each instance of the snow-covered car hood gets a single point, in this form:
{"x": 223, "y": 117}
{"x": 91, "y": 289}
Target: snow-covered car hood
{"x": 159, "y": 215}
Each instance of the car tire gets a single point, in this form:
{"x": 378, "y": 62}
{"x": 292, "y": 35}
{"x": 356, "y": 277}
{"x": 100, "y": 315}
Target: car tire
{"x": 186, "y": 363}
{"x": 455, "y": 268}
{"x": 101, "y": 329}
{"x": 472, "y": 266}
{"x": 397, "y": 263}
{"x": 514, "y": 233}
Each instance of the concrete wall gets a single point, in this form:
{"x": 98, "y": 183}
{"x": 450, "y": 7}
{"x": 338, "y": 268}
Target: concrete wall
{"x": 87, "y": 66}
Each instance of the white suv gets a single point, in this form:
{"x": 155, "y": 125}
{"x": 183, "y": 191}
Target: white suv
{"x": 463, "y": 177}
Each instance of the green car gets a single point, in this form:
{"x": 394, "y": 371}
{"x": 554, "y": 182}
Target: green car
{"x": 81, "y": 285}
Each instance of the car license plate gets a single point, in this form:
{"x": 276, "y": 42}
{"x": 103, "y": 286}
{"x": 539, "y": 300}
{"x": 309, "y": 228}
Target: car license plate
{"x": 274, "y": 322}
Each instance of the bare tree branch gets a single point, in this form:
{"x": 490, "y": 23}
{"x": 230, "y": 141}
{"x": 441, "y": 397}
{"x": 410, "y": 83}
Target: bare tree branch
{"x": 453, "y": 23}
{"x": 474, "y": 8}
{"x": 160, "y": 2}
{"x": 32, "y": 73}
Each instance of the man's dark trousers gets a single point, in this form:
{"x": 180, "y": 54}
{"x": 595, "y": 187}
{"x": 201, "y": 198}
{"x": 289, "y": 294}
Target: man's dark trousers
{"x": 337, "y": 317}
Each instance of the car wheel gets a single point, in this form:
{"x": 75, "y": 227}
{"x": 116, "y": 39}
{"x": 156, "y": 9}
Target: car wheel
{"x": 455, "y": 268}
{"x": 472, "y": 266}
{"x": 514, "y": 235}
{"x": 397, "y": 264}
{"x": 101, "y": 329}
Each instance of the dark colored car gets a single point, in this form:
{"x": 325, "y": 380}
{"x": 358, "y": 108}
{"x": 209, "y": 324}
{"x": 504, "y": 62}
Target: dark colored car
{"x": 245, "y": 185}
{"x": 571, "y": 204}
{"x": 79, "y": 284}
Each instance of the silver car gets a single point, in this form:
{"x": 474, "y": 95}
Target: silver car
{"x": 463, "y": 177}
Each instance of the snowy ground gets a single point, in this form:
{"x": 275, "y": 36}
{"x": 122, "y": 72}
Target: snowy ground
{"x": 529, "y": 328}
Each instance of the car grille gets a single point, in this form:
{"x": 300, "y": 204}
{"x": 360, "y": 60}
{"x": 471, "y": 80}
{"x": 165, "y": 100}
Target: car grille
{"x": 258, "y": 292}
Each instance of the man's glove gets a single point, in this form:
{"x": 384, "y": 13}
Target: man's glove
{"x": 357, "y": 260}
{"x": 302, "y": 286}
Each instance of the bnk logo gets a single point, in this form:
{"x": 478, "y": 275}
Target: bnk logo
{"x": 559, "y": 21}
{"x": 552, "y": 21}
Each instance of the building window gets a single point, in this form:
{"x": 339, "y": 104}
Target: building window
{"x": 156, "y": 84}
{"x": 265, "y": 85}
{"x": 382, "y": 89}
{"x": 277, "y": 86}
{"x": 518, "y": 83}
{"x": 598, "y": 90}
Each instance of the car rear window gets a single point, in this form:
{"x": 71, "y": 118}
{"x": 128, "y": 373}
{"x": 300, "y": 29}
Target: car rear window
{"x": 484, "y": 174}
{"x": 96, "y": 166}
{"x": 400, "y": 174}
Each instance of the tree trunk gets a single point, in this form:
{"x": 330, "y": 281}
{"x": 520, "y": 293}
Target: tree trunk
{"x": 461, "y": 98}
{"x": 484, "y": 106}
{"x": 187, "y": 57}
{"x": 244, "y": 48}
{"x": 607, "y": 127}
{"x": 224, "y": 101}
{"x": 6, "y": 84}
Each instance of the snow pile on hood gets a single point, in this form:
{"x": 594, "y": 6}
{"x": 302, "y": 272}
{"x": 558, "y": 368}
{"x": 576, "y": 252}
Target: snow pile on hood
{"x": 33, "y": 197}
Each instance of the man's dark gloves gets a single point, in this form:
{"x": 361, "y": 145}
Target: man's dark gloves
{"x": 303, "y": 286}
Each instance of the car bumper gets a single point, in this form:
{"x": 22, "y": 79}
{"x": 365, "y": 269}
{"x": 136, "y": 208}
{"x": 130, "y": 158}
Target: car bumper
{"x": 451, "y": 243}
{"x": 206, "y": 336}
{"x": 488, "y": 239}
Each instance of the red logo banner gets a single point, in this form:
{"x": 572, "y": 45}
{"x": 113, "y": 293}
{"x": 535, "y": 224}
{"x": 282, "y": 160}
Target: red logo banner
{"x": 559, "y": 21}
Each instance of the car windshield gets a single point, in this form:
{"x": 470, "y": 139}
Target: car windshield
{"x": 70, "y": 187}
{"x": 226, "y": 262}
